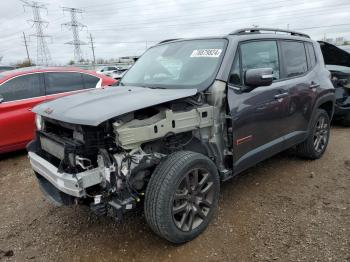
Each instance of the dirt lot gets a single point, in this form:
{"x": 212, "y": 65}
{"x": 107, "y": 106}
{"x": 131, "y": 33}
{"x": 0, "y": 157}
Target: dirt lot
{"x": 284, "y": 209}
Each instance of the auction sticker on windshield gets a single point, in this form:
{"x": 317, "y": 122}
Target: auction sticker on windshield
{"x": 213, "y": 52}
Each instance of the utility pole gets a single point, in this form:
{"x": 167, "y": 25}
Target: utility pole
{"x": 43, "y": 53}
{"x": 25, "y": 43}
{"x": 93, "y": 50}
{"x": 75, "y": 26}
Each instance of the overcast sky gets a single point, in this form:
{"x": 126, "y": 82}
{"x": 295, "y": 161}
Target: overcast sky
{"x": 122, "y": 27}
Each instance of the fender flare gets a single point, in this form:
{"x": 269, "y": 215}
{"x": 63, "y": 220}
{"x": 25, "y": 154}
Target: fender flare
{"x": 321, "y": 100}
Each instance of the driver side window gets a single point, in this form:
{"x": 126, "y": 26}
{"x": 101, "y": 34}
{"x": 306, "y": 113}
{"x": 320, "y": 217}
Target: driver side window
{"x": 260, "y": 54}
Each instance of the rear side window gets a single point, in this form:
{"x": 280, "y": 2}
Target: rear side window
{"x": 311, "y": 54}
{"x": 22, "y": 87}
{"x": 260, "y": 54}
{"x": 58, "y": 82}
{"x": 294, "y": 58}
{"x": 90, "y": 81}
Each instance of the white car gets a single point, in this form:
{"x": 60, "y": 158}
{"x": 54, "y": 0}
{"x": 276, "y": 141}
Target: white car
{"x": 107, "y": 69}
{"x": 117, "y": 74}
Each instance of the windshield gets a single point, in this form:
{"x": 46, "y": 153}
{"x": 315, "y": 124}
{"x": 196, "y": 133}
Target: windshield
{"x": 184, "y": 64}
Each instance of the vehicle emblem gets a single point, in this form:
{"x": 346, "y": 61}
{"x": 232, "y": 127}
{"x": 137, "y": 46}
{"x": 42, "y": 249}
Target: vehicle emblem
{"x": 48, "y": 110}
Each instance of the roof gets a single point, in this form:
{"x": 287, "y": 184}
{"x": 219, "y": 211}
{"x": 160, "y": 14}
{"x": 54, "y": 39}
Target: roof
{"x": 41, "y": 69}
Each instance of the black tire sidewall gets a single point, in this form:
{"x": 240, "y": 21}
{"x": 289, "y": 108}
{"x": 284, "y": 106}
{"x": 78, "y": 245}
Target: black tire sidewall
{"x": 166, "y": 224}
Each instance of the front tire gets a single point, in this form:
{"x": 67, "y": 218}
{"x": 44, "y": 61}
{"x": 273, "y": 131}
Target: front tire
{"x": 316, "y": 143}
{"x": 182, "y": 196}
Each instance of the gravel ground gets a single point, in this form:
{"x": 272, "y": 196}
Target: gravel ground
{"x": 284, "y": 209}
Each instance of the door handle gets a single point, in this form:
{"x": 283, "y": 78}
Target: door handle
{"x": 282, "y": 95}
{"x": 313, "y": 85}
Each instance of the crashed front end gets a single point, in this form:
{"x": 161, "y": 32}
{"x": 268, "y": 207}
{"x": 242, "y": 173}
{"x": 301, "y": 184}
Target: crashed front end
{"x": 341, "y": 82}
{"x": 337, "y": 62}
{"x": 108, "y": 166}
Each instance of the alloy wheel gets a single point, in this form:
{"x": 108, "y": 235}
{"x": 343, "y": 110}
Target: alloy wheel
{"x": 321, "y": 134}
{"x": 193, "y": 199}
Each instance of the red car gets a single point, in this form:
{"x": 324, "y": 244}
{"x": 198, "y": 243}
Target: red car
{"x": 22, "y": 89}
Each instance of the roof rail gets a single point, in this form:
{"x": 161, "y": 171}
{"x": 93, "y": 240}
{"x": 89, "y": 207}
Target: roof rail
{"x": 168, "y": 40}
{"x": 257, "y": 30}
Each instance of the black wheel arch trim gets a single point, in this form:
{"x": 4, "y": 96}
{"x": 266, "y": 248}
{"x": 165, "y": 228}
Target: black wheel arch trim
{"x": 329, "y": 97}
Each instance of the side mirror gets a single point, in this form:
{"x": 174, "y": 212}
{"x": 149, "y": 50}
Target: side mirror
{"x": 1, "y": 99}
{"x": 258, "y": 77}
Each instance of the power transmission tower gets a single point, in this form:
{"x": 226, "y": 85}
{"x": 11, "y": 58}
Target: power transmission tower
{"x": 43, "y": 53}
{"x": 75, "y": 26}
{"x": 26, "y": 44}
{"x": 93, "y": 50}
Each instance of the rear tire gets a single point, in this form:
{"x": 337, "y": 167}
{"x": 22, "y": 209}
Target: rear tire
{"x": 316, "y": 143}
{"x": 182, "y": 196}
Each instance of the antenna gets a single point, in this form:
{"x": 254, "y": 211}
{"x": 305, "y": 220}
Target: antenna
{"x": 43, "y": 53}
{"x": 75, "y": 26}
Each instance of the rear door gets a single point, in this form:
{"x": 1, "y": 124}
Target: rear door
{"x": 62, "y": 83}
{"x": 258, "y": 115}
{"x": 17, "y": 125}
{"x": 91, "y": 81}
{"x": 298, "y": 63}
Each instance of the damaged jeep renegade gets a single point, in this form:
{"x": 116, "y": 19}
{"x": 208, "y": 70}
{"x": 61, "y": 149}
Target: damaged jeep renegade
{"x": 189, "y": 114}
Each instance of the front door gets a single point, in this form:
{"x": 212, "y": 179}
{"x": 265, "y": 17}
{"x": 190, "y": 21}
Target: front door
{"x": 258, "y": 115}
{"x": 17, "y": 125}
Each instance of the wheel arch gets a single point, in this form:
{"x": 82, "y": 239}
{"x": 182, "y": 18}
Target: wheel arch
{"x": 328, "y": 106}
{"x": 325, "y": 102}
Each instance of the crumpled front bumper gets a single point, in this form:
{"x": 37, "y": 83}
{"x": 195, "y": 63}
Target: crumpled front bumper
{"x": 71, "y": 184}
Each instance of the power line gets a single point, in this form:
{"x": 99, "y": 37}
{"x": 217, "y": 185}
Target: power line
{"x": 239, "y": 10}
{"x": 43, "y": 53}
{"x": 121, "y": 15}
{"x": 75, "y": 26}
{"x": 319, "y": 27}
{"x": 212, "y": 6}
{"x": 144, "y": 24}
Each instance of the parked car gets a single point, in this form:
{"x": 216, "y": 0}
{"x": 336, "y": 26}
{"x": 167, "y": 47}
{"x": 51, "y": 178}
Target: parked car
{"x": 338, "y": 63}
{"x": 21, "y": 89}
{"x": 107, "y": 70}
{"x": 117, "y": 74}
{"x": 6, "y": 68}
{"x": 190, "y": 113}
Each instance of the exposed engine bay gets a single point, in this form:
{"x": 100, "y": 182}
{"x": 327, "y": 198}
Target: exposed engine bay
{"x": 112, "y": 163}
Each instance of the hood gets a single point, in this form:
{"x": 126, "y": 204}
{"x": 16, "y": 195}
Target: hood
{"x": 96, "y": 106}
{"x": 333, "y": 55}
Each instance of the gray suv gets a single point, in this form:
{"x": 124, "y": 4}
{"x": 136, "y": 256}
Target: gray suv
{"x": 189, "y": 114}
